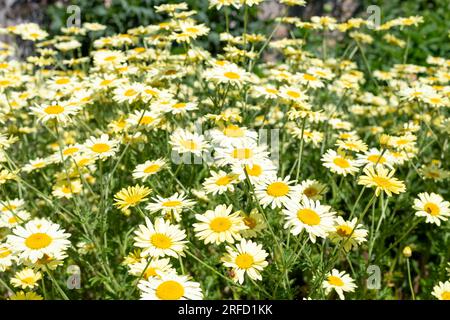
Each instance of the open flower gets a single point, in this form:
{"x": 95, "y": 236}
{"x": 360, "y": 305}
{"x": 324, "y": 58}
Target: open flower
{"x": 248, "y": 258}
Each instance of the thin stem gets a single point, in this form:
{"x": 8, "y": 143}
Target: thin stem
{"x": 409, "y": 279}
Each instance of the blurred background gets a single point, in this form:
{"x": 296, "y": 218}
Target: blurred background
{"x": 120, "y": 15}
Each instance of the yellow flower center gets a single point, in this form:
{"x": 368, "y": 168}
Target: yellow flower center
{"x": 233, "y": 131}
{"x": 152, "y": 168}
{"x": 272, "y": 91}
{"x": 150, "y": 272}
{"x": 106, "y": 82}
{"x": 309, "y": 77}
{"x": 344, "y": 231}
{"x": 432, "y": 209}
{"x": 341, "y": 162}
{"x": 171, "y": 203}
{"x": 5, "y": 83}
{"x": 130, "y": 93}
{"x": 62, "y": 81}
{"x": 293, "y": 94}
{"x": 189, "y": 144}
{"x": 242, "y": 153}
{"x": 401, "y": 142}
{"x": 436, "y": 100}
{"x": 110, "y": 58}
{"x": 277, "y": 189}
{"x": 66, "y": 189}
{"x": 335, "y": 281}
{"x": 161, "y": 241}
{"x": 28, "y": 280}
{"x": 170, "y": 290}
{"x": 308, "y": 216}
{"x": 254, "y": 171}
{"x": 223, "y": 181}
{"x": 38, "y": 241}
{"x": 4, "y": 252}
{"x": 100, "y": 147}
{"x": 12, "y": 220}
{"x": 179, "y": 105}
{"x": 244, "y": 261}
{"x": 39, "y": 164}
{"x": 151, "y": 92}
{"x": 192, "y": 30}
{"x": 232, "y": 75}
{"x": 445, "y": 295}
{"x": 9, "y": 207}
{"x": 70, "y": 151}
{"x": 376, "y": 158}
{"x": 147, "y": 120}
{"x": 220, "y": 224}
{"x": 139, "y": 50}
{"x": 382, "y": 182}
{"x": 54, "y": 109}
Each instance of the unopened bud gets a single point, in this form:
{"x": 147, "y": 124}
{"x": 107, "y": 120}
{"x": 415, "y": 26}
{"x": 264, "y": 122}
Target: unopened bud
{"x": 407, "y": 252}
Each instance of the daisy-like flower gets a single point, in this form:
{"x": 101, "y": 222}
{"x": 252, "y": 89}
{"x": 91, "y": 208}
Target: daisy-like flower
{"x": 184, "y": 141}
{"x": 248, "y": 258}
{"x": 442, "y": 290}
{"x": 30, "y": 295}
{"x": 6, "y": 257}
{"x": 36, "y": 164}
{"x": 257, "y": 172}
{"x": 374, "y": 157}
{"x": 193, "y": 31}
{"x": 181, "y": 107}
{"x": 309, "y": 80}
{"x": 172, "y": 205}
{"x": 170, "y": 286}
{"x": 60, "y": 111}
{"x": 102, "y": 147}
{"x": 276, "y": 192}
{"x": 131, "y": 197}
{"x": 339, "y": 163}
{"x": 382, "y": 180}
{"x": 220, "y": 182}
{"x": 11, "y": 205}
{"x": 340, "y": 282}
{"x": 148, "y": 168}
{"x": 144, "y": 118}
{"x": 312, "y": 189}
{"x": 67, "y": 152}
{"x": 232, "y": 135}
{"x": 417, "y": 92}
{"x": 293, "y": 94}
{"x": 433, "y": 207}
{"x": 352, "y": 145}
{"x": 160, "y": 239}
{"x": 228, "y": 73}
{"x": 66, "y": 189}
{"x": 26, "y": 278}
{"x": 241, "y": 154}
{"x": 255, "y": 223}
{"x": 348, "y": 233}
{"x": 152, "y": 268}
{"x": 219, "y": 225}
{"x": 268, "y": 92}
{"x": 109, "y": 59}
{"x": 39, "y": 238}
{"x": 10, "y": 219}
{"x": 309, "y": 215}
{"x": 128, "y": 93}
